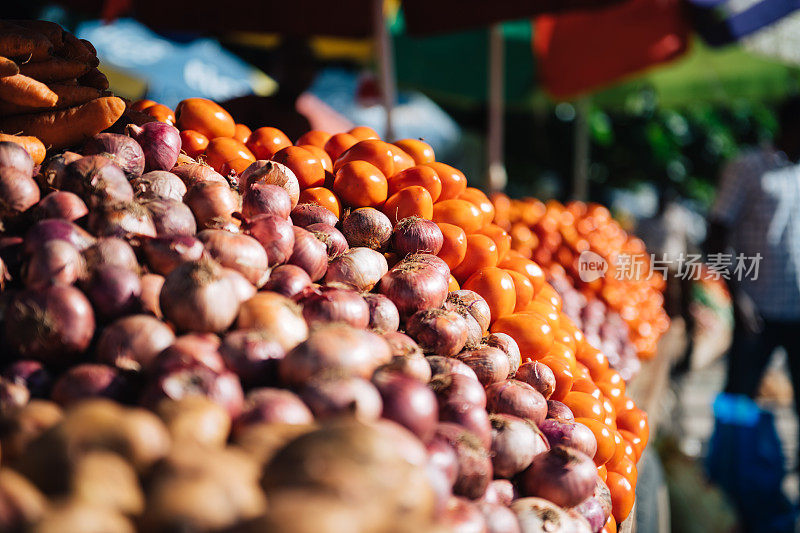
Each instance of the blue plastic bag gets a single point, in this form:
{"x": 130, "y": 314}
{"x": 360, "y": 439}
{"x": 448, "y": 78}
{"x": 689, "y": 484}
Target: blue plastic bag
{"x": 719, "y": 24}
{"x": 745, "y": 460}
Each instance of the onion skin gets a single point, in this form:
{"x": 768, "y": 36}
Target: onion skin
{"x": 367, "y": 227}
{"x": 265, "y": 199}
{"x": 56, "y": 229}
{"x": 515, "y": 442}
{"x": 304, "y": 215}
{"x": 474, "y": 464}
{"x": 61, "y": 204}
{"x": 438, "y": 331}
{"x": 13, "y": 396}
{"x": 401, "y": 345}
{"x": 197, "y": 296}
{"x": 592, "y": 510}
{"x": 222, "y": 388}
{"x": 53, "y": 170}
{"x": 123, "y": 151}
{"x": 171, "y": 217}
{"x": 489, "y": 364}
{"x": 473, "y": 303}
{"x": 569, "y": 434}
{"x": 415, "y": 286}
{"x": 32, "y": 374}
{"x": 243, "y": 290}
{"x": 160, "y": 142}
{"x": 89, "y": 381}
{"x": 97, "y": 181}
{"x": 189, "y": 351}
{"x": 537, "y": 514}
{"x": 272, "y": 406}
{"x": 211, "y": 202}
{"x": 252, "y": 355}
{"x": 114, "y": 291}
{"x": 499, "y": 518}
{"x": 192, "y": 173}
{"x": 275, "y": 234}
{"x": 158, "y": 185}
{"x": 165, "y": 254}
{"x": 288, "y": 280}
{"x": 414, "y": 235}
{"x": 332, "y": 238}
{"x": 111, "y": 251}
{"x": 53, "y": 324}
{"x": 277, "y": 316}
{"x": 122, "y": 220}
{"x": 56, "y": 262}
{"x": 458, "y": 388}
{"x": 358, "y": 268}
{"x": 346, "y": 396}
{"x": 409, "y": 403}
{"x": 335, "y": 305}
{"x": 446, "y": 365}
{"x": 309, "y": 254}
{"x": 463, "y": 516}
{"x": 500, "y": 491}
{"x": 413, "y": 366}
{"x": 539, "y": 376}
{"x": 508, "y": 346}
{"x": 132, "y": 342}
{"x": 151, "y": 290}
{"x": 442, "y": 457}
{"x": 238, "y": 252}
{"x": 558, "y": 410}
{"x": 561, "y": 475}
{"x": 272, "y": 173}
{"x": 516, "y": 398}
{"x": 470, "y": 417}
{"x": 383, "y": 314}
{"x": 334, "y": 348}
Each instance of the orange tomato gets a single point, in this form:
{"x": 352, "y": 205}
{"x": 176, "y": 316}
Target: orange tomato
{"x": 305, "y": 165}
{"x": 622, "y": 496}
{"x": 587, "y": 386}
{"x": 373, "y": 151}
{"x": 500, "y": 238}
{"x": 610, "y": 525}
{"x": 205, "y": 116}
{"x": 453, "y": 180}
{"x": 595, "y": 361}
{"x": 615, "y": 393}
{"x": 462, "y": 213}
{"x": 623, "y": 449}
{"x": 635, "y": 421}
{"x": 411, "y": 201}
{"x": 525, "y": 266}
{"x": 602, "y": 472}
{"x": 605, "y": 439}
{"x": 316, "y": 138}
{"x": 481, "y": 201}
{"x": 360, "y": 184}
{"x": 582, "y": 371}
{"x": 610, "y": 413}
{"x": 417, "y": 175}
{"x": 321, "y": 196}
{"x": 564, "y": 336}
{"x": 338, "y": 143}
{"x": 141, "y": 105}
{"x": 523, "y": 289}
{"x": 234, "y": 167}
{"x": 547, "y": 293}
{"x": 362, "y": 133}
{"x": 266, "y": 142}
{"x": 221, "y": 150}
{"x": 544, "y": 309}
{"x": 161, "y": 113}
{"x": 420, "y": 151}
{"x": 497, "y": 288}
{"x": 402, "y": 160}
{"x": 627, "y": 469}
{"x": 481, "y": 253}
{"x": 454, "y": 247}
{"x": 534, "y": 334}
{"x": 453, "y": 285}
{"x": 583, "y": 404}
{"x": 320, "y": 154}
{"x": 193, "y": 143}
{"x": 241, "y": 133}
{"x": 563, "y": 374}
{"x": 522, "y": 238}
{"x": 635, "y": 441}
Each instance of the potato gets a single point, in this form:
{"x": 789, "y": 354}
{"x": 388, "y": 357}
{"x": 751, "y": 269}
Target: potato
{"x": 80, "y": 517}
{"x": 306, "y": 511}
{"x": 21, "y": 504}
{"x": 19, "y": 427}
{"x": 105, "y": 480}
{"x": 261, "y": 441}
{"x": 196, "y": 419}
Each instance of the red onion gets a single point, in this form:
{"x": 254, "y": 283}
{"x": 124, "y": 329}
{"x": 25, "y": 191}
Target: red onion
{"x": 238, "y": 252}
{"x": 53, "y": 170}
{"x": 562, "y": 475}
{"x": 490, "y": 364}
{"x": 160, "y": 142}
{"x": 430, "y": 260}
{"x": 158, "y": 185}
{"x": 500, "y": 491}
{"x": 32, "y": 374}
{"x": 125, "y": 152}
{"x": 277, "y": 316}
{"x": 192, "y": 173}
{"x": 458, "y": 388}
{"x": 272, "y": 406}
{"x": 13, "y": 396}
{"x": 597, "y": 508}
{"x": 539, "y": 376}
{"x": 113, "y": 291}
{"x": 18, "y": 190}
{"x": 570, "y": 434}
{"x": 335, "y": 305}
{"x": 97, "y": 181}
{"x": 415, "y": 286}
{"x": 473, "y": 303}
{"x": 470, "y": 417}
{"x": 334, "y": 348}
{"x": 89, "y": 381}
{"x": 288, "y": 280}
{"x": 57, "y": 229}
{"x": 446, "y": 365}
{"x": 56, "y": 262}
{"x": 442, "y": 457}
{"x": 171, "y": 217}
{"x": 265, "y": 199}
{"x": 304, "y": 215}
{"x": 272, "y": 173}
{"x": 516, "y": 398}
{"x": 111, "y": 251}
{"x": 438, "y": 331}
{"x": 211, "y": 201}
{"x": 242, "y": 289}
{"x": 189, "y": 351}
{"x": 122, "y": 220}
{"x": 508, "y": 346}
{"x": 463, "y": 516}
{"x": 537, "y": 514}
{"x": 499, "y": 518}
{"x": 51, "y": 324}
{"x": 132, "y": 342}
{"x": 309, "y": 254}
{"x": 358, "y": 268}
{"x": 61, "y": 204}
{"x": 413, "y": 366}
{"x": 474, "y": 464}
{"x": 164, "y": 254}
{"x": 414, "y": 235}
{"x": 558, "y": 410}
{"x": 333, "y": 239}
{"x": 474, "y": 332}
{"x": 409, "y": 403}
{"x": 275, "y": 234}
{"x": 402, "y": 345}
{"x": 151, "y": 291}
{"x": 515, "y": 442}
{"x": 383, "y": 314}
{"x": 198, "y": 297}
{"x": 349, "y": 396}
{"x": 368, "y": 227}
{"x": 252, "y": 355}
{"x": 222, "y": 388}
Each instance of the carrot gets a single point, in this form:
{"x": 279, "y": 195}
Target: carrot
{"x": 54, "y": 69}
{"x": 22, "y": 90}
{"x": 94, "y": 78}
{"x": 19, "y": 42}
{"x": 67, "y": 127}
{"x": 51, "y": 30}
{"x": 68, "y": 96}
{"x": 75, "y": 50}
{"x": 7, "y": 67}
{"x": 33, "y": 146}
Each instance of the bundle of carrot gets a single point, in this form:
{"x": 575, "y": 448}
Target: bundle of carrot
{"x": 51, "y": 93}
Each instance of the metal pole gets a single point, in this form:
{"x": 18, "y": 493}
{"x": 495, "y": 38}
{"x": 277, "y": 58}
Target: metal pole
{"x": 581, "y": 157}
{"x": 385, "y": 49}
{"x": 496, "y": 177}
